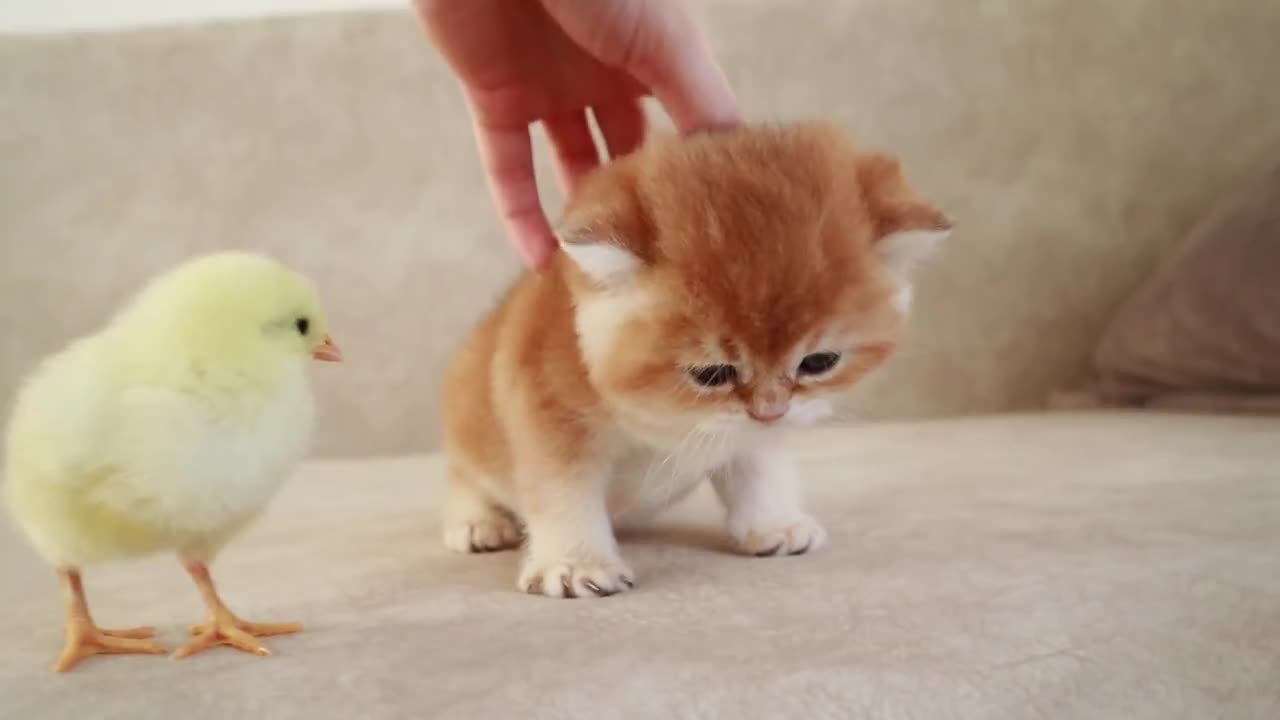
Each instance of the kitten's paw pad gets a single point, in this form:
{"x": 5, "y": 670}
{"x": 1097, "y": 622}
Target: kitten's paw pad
{"x": 488, "y": 533}
{"x": 577, "y": 578}
{"x": 797, "y": 538}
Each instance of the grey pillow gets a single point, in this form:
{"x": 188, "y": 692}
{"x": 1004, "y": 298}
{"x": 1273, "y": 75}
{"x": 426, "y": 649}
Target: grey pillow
{"x": 1202, "y": 333}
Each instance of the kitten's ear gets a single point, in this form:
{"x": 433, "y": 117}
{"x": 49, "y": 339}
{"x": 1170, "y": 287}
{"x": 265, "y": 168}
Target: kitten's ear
{"x": 600, "y": 229}
{"x": 908, "y": 229}
{"x": 915, "y": 234}
{"x": 598, "y": 254}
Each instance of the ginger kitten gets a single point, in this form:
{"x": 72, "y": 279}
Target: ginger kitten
{"x": 712, "y": 290}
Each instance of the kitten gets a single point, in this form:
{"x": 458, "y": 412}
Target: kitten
{"x": 711, "y": 290}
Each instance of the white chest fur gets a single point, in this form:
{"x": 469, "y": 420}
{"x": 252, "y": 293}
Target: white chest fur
{"x": 646, "y": 480}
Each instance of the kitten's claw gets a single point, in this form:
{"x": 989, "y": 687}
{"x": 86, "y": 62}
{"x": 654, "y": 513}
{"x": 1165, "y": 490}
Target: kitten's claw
{"x": 533, "y": 586}
{"x": 795, "y": 538}
{"x": 493, "y": 531}
{"x": 768, "y": 551}
{"x": 577, "y": 579}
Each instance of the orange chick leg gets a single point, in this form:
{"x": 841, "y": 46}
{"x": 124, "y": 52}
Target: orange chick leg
{"x": 223, "y": 627}
{"x": 85, "y": 639}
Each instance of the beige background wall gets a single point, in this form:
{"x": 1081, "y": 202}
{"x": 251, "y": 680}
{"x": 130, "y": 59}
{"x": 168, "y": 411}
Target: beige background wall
{"x": 1072, "y": 141}
{"x": 64, "y": 15}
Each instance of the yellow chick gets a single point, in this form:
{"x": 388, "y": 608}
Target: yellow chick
{"x": 169, "y": 429}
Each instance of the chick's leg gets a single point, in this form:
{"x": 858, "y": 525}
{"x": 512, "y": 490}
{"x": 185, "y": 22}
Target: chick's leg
{"x": 223, "y": 627}
{"x": 85, "y": 639}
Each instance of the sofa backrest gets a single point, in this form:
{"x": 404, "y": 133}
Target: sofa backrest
{"x": 1071, "y": 141}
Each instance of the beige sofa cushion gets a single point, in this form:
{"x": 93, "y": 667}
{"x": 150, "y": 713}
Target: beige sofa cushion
{"x": 1203, "y": 332}
{"x": 1099, "y": 566}
{"x": 1069, "y": 144}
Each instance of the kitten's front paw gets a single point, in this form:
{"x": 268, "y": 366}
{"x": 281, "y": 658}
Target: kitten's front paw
{"x": 479, "y": 532}
{"x": 576, "y": 578}
{"x": 796, "y": 537}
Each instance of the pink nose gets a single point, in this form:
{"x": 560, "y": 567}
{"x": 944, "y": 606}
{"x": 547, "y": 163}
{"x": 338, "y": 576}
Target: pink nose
{"x": 768, "y": 413}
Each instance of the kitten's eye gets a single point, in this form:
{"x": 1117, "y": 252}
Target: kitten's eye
{"x": 818, "y": 363}
{"x": 713, "y": 375}
{"x": 303, "y": 325}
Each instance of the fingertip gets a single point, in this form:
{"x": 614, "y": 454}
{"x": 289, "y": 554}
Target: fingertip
{"x": 701, "y": 103}
{"x": 692, "y": 88}
{"x": 534, "y": 242}
{"x": 538, "y": 254}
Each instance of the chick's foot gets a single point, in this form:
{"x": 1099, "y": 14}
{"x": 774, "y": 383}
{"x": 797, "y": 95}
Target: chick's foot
{"x": 224, "y": 628}
{"x": 85, "y": 640}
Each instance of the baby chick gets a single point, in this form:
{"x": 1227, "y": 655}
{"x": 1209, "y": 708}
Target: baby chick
{"x": 169, "y": 429}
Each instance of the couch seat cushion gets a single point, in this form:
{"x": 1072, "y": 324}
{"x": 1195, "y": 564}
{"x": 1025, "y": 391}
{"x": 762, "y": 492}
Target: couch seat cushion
{"x": 1093, "y": 565}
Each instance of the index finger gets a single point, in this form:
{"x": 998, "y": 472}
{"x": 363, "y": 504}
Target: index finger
{"x": 507, "y": 156}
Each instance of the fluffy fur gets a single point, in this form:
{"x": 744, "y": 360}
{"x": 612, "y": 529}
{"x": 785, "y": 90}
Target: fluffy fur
{"x": 173, "y": 426}
{"x": 596, "y": 393}
{"x": 169, "y": 429}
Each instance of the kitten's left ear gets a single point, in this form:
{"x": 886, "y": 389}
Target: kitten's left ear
{"x": 597, "y": 253}
{"x": 601, "y": 228}
{"x": 908, "y": 229}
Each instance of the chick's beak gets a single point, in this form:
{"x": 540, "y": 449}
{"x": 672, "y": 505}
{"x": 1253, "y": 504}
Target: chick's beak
{"x": 327, "y": 352}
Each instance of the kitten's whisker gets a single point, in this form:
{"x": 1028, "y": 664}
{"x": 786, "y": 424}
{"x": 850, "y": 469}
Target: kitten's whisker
{"x": 844, "y": 415}
{"x": 671, "y": 488}
{"x": 655, "y": 469}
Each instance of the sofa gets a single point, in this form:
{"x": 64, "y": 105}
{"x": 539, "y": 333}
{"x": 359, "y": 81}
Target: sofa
{"x": 994, "y": 553}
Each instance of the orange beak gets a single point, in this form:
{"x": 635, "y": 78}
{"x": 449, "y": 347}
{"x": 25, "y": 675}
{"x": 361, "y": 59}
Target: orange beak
{"x": 327, "y": 352}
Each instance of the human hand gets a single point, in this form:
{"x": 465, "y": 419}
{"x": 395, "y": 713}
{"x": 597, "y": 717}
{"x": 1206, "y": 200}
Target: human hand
{"x": 552, "y": 61}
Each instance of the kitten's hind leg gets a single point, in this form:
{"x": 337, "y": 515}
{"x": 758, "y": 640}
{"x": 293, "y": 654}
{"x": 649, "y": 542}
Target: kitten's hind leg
{"x": 472, "y": 522}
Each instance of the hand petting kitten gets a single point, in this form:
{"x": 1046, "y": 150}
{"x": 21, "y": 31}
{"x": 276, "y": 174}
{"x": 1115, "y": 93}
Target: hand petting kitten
{"x": 562, "y": 63}
{"x": 712, "y": 291}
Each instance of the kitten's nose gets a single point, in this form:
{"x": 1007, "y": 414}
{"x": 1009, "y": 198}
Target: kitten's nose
{"x": 766, "y": 418}
{"x": 768, "y": 411}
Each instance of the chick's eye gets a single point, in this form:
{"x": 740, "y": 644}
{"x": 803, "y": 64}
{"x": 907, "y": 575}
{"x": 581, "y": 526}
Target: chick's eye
{"x": 303, "y": 325}
{"x": 713, "y": 375}
{"x": 818, "y": 363}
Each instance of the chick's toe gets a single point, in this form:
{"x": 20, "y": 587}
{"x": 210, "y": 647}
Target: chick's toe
{"x": 227, "y": 629}
{"x": 84, "y": 640}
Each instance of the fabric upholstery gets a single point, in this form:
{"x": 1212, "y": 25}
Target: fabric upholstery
{"x": 1072, "y": 566}
{"x": 1070, "y": 140}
